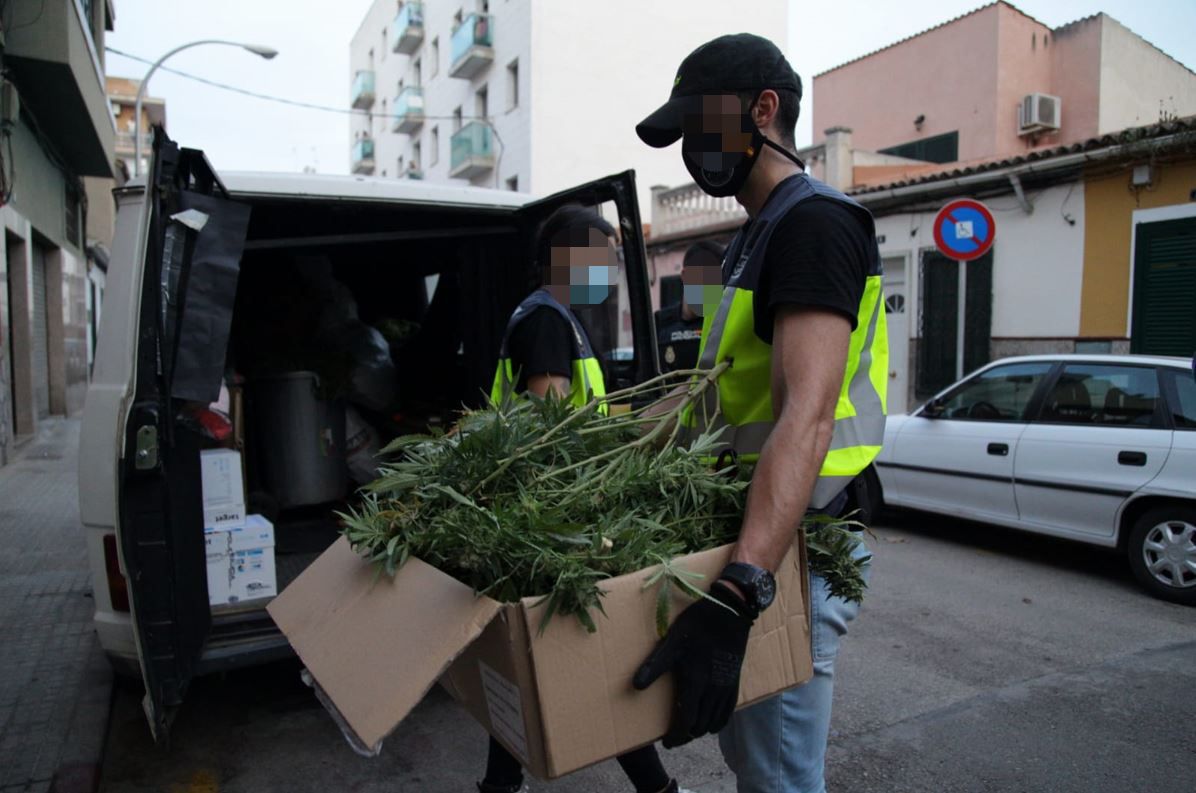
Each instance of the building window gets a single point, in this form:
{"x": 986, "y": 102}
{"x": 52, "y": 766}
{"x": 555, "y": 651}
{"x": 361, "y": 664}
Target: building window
{"x": 434, "y": 143}
{"x": 74, "y": 216}
{"x": 417, "y": 151}
{"x": 457, "y": 119}
{"x": 383, "y": 43}
{"x": 435, "y": 70}
{"x": 481, "y": 103}
{"x": 939, "y": 148}
{"x": 416, "y": 72}
{"x": 400, "y": 171}
{"x": 371, "y": 58}
{"x": 513, "y": 84}
{"x": 513, "y": 184}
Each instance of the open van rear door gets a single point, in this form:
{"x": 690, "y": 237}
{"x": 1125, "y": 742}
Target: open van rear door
{"x": 619, "y": 190}
{"x": 191, "y": 237}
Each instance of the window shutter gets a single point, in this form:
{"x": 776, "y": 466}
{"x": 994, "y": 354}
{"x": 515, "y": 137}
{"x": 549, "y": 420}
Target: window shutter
{"x": 1165, "y": 288}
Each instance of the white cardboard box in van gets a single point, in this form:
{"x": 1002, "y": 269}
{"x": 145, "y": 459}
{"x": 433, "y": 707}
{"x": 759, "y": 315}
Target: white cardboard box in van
{"x": 559, "y": 699}
{"x": 255, "y": 531}
{"x": 241, "y": 562}
{"x": 220, "y": 477}
{"x": 253, "y": 574}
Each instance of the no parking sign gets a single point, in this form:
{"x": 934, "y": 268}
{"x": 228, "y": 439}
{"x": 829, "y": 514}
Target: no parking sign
{"x": 964, "y": 230}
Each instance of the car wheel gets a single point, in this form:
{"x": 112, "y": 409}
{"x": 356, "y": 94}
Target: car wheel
{"x": 1162, "y": 553}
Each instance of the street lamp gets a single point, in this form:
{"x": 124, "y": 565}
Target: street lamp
{"x": 256, "y": 49}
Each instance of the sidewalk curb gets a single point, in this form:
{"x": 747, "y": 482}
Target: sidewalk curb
{"x": 83, "y": 752}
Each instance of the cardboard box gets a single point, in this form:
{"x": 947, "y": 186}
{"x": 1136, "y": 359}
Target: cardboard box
{"x": 240, "y": 560}
{"x": 222, "y": 484}
{"x": 255, "y": 531}
{"x": 559, "y": 700}
{"x": 219, "y": 576}
{"x": 253, "y": 575}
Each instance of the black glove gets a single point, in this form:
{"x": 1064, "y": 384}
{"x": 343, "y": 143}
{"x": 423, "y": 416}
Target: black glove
{"x": 705, "y": 648}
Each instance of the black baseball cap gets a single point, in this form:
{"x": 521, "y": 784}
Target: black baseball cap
{"x": 726, "y": 65}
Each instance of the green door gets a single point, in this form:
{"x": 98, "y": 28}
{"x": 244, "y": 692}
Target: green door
{"x": 1165, "y": 288}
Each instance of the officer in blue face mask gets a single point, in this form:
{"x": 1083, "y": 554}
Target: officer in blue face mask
{"x": 546, "y": 349}
{"x": 679, "y": 326}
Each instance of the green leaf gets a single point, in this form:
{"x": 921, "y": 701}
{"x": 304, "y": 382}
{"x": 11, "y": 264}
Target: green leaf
{"x": 662, "y": 610}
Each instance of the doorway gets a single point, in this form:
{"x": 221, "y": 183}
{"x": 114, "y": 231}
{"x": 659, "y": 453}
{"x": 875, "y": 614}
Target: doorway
{"x": 898, "y": 326}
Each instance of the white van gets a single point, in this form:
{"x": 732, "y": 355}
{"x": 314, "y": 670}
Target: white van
{"x": 197, "y": 257}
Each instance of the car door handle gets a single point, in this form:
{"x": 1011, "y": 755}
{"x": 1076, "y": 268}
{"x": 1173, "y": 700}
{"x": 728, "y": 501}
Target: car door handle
{"x": 999, "y": 449}
{"x": 1131, "y": 458}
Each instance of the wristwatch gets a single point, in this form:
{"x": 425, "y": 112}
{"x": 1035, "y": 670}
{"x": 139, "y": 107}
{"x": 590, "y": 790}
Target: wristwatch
{"x": 756, "y": 583}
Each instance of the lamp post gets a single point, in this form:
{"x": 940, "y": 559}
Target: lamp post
{"x": 256, "y": 49}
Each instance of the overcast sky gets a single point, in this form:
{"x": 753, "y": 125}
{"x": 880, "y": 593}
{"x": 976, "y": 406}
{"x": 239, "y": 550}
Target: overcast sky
{"x": 244, "y": 133}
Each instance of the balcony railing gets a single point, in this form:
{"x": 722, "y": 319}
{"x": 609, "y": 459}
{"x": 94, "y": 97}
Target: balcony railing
{"x": 363, "y": 90}
{"x": 472, "y": 151}
{"x": 126, "y": 142}
{"x": 687, "y": 208}
{"x": 473, "y": 46}
{"x": 409, "y": 109}
{"x": 409, "y": 28}
{"x": 363, "y": 156}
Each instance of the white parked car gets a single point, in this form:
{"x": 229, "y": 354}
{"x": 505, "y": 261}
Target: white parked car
{"x": 1095, "y": 448}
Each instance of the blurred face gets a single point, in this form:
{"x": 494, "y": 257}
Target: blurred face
{"x": 583, "y": 267}
{"x": 717, "y": 138}
{"x": 702, "y": 284}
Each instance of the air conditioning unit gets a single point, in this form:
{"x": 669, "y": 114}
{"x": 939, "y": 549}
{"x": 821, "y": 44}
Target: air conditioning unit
{"x": 1038, "y": 113}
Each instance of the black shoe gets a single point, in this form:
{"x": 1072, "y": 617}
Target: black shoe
{"x": 486, "y": 788}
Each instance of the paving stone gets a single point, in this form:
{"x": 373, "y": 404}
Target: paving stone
{"x": 50, "y": 652}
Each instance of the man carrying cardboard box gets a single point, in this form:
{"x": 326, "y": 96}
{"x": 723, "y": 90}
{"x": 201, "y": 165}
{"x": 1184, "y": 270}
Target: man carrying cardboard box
{"x": 802, "y": 320}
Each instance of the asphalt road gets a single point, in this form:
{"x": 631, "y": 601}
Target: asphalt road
{"x": 984, "y": 660}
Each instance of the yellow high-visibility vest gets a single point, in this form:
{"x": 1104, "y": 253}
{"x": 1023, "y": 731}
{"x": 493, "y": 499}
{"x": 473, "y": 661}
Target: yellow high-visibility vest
{"x": 586, "y": 380}
{"x": 744, "y": 408}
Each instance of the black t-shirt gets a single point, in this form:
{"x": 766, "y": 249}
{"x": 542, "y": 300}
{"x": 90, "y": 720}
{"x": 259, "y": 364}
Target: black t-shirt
{"x": 541, "y": 344}
{"x": 819, "y": 255}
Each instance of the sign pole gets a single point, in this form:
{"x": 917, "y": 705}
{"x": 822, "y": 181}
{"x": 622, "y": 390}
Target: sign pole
{"x": 963, "y": 230}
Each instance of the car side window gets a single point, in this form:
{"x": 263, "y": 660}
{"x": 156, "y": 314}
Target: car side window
{"x": 999, "y": 394}
{"x": 1184, "y": 411}
{"x": 1103, "y": 394}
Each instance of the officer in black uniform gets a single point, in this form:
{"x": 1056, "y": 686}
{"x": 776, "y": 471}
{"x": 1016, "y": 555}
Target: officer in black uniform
{"x": 679, "y": 326}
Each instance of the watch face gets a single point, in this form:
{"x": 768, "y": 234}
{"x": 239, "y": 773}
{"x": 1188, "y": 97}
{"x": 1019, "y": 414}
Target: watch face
{"x": 766, "y": 590}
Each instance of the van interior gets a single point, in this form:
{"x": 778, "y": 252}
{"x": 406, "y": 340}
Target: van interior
{"x": 353, "y": 323}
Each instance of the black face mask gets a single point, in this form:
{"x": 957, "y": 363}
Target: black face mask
{"x": 720, "y": 173}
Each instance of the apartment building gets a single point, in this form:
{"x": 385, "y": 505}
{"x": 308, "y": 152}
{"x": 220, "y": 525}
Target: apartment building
{"x": 58, "y": 129}
{"x": 998, "y": 83}
{"x": 529, "y": 95}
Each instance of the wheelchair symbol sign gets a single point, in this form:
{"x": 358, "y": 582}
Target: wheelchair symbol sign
{"x": 964, "y": 230}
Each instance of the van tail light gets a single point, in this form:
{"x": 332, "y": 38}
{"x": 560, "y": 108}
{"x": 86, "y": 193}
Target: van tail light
{"x": 118, "y": 587}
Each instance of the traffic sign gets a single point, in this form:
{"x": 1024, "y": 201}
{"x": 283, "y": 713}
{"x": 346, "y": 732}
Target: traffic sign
{"x": 964, "y": 230}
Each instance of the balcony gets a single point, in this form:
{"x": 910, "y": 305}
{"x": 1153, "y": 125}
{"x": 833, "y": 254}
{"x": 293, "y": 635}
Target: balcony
{"x": 415, "y": 173}
{"x": 472, "y": 151}
{"x": 473, "y": 46}
{"x": 363, "y": 156}
{"x": 408, "y": 28}
{"x": 50, "y": 55}
{"x": 684, "y": 210}
{"x": 363, "y": 90}
{"x": 409, "y": 110}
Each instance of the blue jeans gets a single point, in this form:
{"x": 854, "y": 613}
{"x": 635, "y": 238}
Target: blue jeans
{"x": 779, "y": 745}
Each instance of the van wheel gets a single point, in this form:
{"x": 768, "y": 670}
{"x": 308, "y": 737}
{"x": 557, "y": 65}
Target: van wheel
{"x": 1162, "y": 553}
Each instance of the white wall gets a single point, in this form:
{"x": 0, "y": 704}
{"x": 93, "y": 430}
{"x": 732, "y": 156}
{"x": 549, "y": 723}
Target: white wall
{"x": 601, "y": 67}
{"x": 1139, "y": 81}
{"x": 1038, "y": 261}
{"x": 588, "y": 73}
{"x": 511, "y": 20}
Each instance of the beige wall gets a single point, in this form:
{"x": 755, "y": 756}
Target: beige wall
{"x": 970, "y": 75}
{"x": 1075, "y": 67}
{"x": 1023, "y": 67}
{"x": 948, "y": 74}
{"x": 1128, "y": 65}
